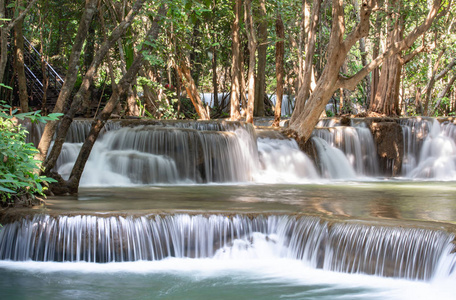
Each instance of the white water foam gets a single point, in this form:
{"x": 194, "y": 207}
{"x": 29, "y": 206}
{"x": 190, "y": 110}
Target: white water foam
{"x": 255, "y": 262}
{"x": 437, "y": 158}
{"x": 281, "y": 161}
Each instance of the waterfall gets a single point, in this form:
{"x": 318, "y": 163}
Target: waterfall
{"x": 168, "y": 152}
{"x": 332, "y": 161}
{"x": 281, "y": 160}
{"x": 411, "y": 253}
{"x": 132, "y": 152}
{"x": 356, "y": 143}
{"x": 188, "y": 152}
{"x": 137, "y": 152}
{"x": 430, "y": 149}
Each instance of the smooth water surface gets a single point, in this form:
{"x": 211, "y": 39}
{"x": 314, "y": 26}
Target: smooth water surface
{"x": 204, "y": 279}
{"x": 421, "y": 201}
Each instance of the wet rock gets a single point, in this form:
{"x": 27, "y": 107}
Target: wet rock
{"x": 390, "y": 146}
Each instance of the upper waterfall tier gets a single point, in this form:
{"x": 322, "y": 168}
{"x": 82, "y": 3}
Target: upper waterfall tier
{"x": 186, "y": 151}
{"x": 164, "y": 152}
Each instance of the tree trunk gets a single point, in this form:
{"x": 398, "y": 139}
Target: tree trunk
{"x": 280, "y": 51}
{"x": 418, "y": 105}
{"x": 5, "y": 30}
{"x": 386, "y": 100}
{"x": 252, "y": 60}
{"x": 20, "y": 64}
{"x": 89, "y": 53}
{"x": 214, "y": 77}
{"x": 4, "y": 42}
{"x": 304, "y": 90}
{"x": 132, "y": 105}
{"x": 444, "y": 92}
{"x": 362, "y": 50}
{"x": 45, "y": 80}
{"x": 235, "y": 63}
{"x": 302, "y": 41}
{"x": 375, "y": 54}
{"x": 192, "y": 90}
{"x": 260, "y": 82}
{"x": 244, "y": 104}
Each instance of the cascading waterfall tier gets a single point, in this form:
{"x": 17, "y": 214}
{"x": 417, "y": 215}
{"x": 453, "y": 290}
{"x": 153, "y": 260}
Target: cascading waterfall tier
{"x": 131, "y": 152}
{"x": 430, "y": 149}
{"x": 281, "y": 160}
{"x": 168, "y": 152}
{"x": 346, "y": 151}
{"x": 412, "y": 253}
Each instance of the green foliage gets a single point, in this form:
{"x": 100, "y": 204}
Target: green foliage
{"x": 18, "y": 168}
{"x": 201, "y": 30}
{"x": 329, "y": 114}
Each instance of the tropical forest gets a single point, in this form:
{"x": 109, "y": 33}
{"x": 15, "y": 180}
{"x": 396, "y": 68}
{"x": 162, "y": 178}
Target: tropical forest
{"x": 228, "y": 149}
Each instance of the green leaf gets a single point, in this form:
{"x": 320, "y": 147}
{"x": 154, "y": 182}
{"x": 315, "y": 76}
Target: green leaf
{"x": 7, "y": 190}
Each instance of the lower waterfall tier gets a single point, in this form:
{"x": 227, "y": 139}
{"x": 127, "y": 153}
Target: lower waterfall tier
{"x": 400, "y": 252}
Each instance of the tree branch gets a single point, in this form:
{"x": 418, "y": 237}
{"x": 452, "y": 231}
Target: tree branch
{"x": 444, "y": 92}
{"x": 362, "y": 29}
{"x": 407, "y": 42}
{"x": 446, "y": 70}
{"x": 405, "y": 59}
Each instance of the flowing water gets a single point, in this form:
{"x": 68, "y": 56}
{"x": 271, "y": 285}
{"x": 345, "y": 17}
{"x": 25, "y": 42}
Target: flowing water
{"x": 204, "y": 210}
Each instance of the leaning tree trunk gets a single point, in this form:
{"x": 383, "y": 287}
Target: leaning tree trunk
{"x": 434, "y": 78}
{"x": 444, "y": 92}
{"x": 192, "y": 90}
{"x": 280, "y": 51}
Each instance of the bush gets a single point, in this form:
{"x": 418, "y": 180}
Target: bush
{"x": 19, "y": 176}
